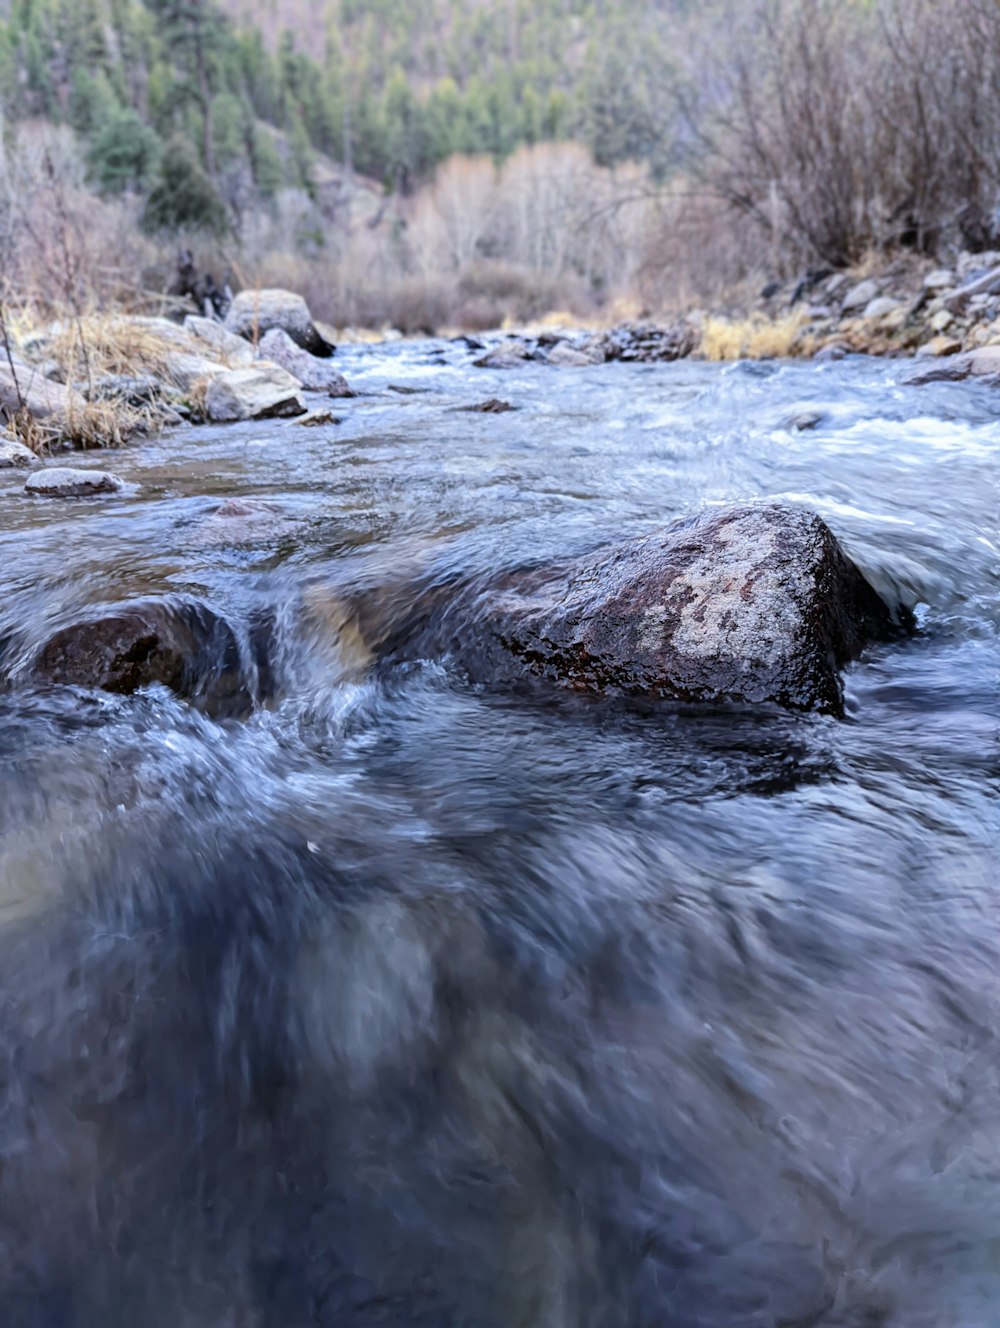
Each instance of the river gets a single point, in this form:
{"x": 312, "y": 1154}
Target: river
{"x": 398, "y": 1002}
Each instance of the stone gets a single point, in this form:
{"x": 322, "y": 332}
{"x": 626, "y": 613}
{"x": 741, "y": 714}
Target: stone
{"x": 880, "y": 307}
{"x": 315, "y": 419}
{"x": 185, "y": 370}
{"x": 493, "y": 406}
{"x": 986, "y": 283}
{"x": 14, "y": 455}
{"x": 940, "y": 279}
{"x": 980, "y": 363}
{"x": 939, "y": 347}
{"x": 71, "y": 482}
{"x": 941, "y": 321}
{"x": 255, "y": 312}
{"x": 314, "y": 374}
{"x": 264, "y": 391}
{"x": 860, "y": 296}
{"x": 802, "y": 420}
{"x": 43, "y": 399}
{"x": 513, "y": 354}
{"x": 647, "y": 343}
{"x": 753, "y": 604}
{"x": 135, "y": 391}
{"x": 567, "y": 356}
{"x": 179, "y": 643}
{"x": 231, "y": 350}
{"x": 836, "y": 350}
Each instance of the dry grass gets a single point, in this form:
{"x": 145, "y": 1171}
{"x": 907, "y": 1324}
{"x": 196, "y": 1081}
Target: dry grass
{"x": 753, "y": 338}
{"x": 106, "y": 344}
{"x": 95, "y": 424}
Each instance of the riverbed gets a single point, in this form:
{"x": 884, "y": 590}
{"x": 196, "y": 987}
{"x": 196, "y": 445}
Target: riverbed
{"x": 404, "y": 1002}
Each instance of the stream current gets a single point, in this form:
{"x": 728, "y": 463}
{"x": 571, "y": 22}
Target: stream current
{"x": 401, "y": 1002}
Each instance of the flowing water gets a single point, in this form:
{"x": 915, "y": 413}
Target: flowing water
{"x": 402, "y": 1003}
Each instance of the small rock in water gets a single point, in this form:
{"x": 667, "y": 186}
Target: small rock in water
{"x": 566, "y": 356}
{"x": 494, "y": 406}
{"x": 244, "y": 507}
{"x": 71, "y": 482}
{"x": 316, "y": 418}
{"x": 181, "y": 644}
{"x": 14, "y": 454}
{"x": 404, "y": 390}
{"x": 509, "y": 355}
{"x": 646, "y": 343}
{"x": 802, "y": 420}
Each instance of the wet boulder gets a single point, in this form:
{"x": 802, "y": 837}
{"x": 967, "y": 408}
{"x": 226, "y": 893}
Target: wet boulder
{"x": 180, "y": 643}
{"x": 255, "y": 312}
{"x": 749, "y": 604}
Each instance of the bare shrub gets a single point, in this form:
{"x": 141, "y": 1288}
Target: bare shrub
{"x": 839, "y": 129}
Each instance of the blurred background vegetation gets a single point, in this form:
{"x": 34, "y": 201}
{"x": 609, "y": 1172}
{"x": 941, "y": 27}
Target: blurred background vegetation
{"x": 432, "y": 162}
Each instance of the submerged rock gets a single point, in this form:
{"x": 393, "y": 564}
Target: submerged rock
{"x": 313, "y": 373}
{"x": 751, "y": 604}
{"x": 255, "y": 312}
{"x": 492, "y": 406}
{"x": 265, "y": 391}
{"x": 179, "y": 643}
{"x": 71, "y": 482}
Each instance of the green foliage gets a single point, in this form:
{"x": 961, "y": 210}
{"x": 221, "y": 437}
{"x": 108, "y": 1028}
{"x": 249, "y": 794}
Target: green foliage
{"x": 394, "y": 87}
{"x": 184, "y": 196}
{"x": 124, "y": 153}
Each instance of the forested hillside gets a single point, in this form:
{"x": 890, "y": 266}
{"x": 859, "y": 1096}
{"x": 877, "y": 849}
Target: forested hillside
{"x": 163, "y": 90}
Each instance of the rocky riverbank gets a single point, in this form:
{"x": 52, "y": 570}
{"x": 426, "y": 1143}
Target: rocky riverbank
{"x": 97, "y": 381}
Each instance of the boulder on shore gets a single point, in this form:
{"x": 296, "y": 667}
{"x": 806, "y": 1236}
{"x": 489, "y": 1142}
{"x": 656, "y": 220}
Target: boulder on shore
{"x": 179, "y": 643}
{"x": 263, "y": 391}
{"x": 748, "y": 604}
{"x": 255, "y": 312}
{"x": 15, "y": 455}
{"x": 25, "y": 386}
{"x": 314, "y": 374}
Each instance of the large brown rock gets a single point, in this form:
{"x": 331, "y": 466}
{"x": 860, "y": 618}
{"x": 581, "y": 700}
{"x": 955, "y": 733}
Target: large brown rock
{"x": 179, "y": 643}
{"x": 749, "y": 604}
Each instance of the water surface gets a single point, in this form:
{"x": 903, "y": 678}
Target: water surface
{"x": 405, "y": 1003}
